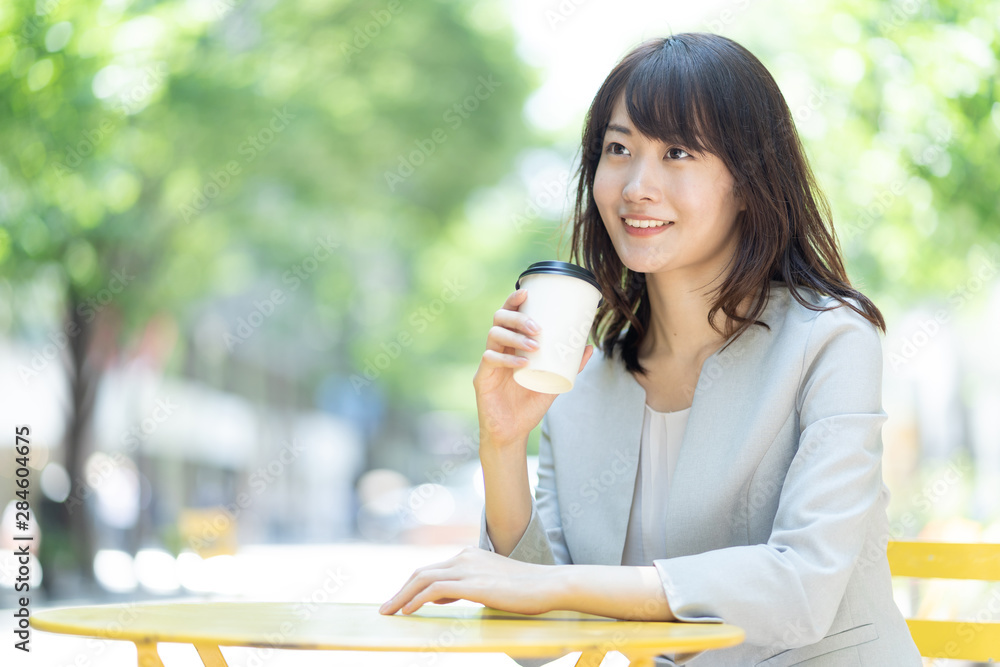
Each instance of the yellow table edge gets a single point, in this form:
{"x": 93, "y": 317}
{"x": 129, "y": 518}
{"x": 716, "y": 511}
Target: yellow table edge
{"x": 722, "y": 635}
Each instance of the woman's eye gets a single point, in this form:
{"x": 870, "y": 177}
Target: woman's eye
{"x": 674, "y": 153}
{"x": 611, "y": 148}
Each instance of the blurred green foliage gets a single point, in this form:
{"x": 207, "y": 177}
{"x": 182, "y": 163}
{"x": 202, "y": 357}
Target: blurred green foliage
{"x": 212, "y": 153}
{"x": 897, "y": 106}
{"x": 143, "y": 138}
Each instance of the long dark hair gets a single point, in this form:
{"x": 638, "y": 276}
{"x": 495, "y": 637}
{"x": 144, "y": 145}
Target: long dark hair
{"x": 708, "y": 93}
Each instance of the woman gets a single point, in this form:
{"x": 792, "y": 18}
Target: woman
{"x": 720, "y": 459}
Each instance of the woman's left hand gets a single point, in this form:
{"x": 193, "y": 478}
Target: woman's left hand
{"x": 480, "y": 576}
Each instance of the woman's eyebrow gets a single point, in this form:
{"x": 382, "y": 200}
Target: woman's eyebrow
{"x": 612, "y": 127}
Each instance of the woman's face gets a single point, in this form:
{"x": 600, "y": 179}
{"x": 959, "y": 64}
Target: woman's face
{"x": 640, "y": 177}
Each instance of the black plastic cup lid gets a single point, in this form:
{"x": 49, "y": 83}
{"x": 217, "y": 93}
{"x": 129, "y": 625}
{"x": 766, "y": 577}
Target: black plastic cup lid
{"x": 560, "y": 268}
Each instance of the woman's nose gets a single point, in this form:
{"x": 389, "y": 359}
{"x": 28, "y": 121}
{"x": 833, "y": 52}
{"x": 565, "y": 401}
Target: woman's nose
{"x": 642, "y": 183}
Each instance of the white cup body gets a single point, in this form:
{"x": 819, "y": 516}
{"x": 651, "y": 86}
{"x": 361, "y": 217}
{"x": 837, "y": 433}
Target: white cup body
{"x": 564, "y": 307}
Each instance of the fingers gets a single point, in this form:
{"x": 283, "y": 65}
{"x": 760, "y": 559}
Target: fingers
{"x": 501, "y": 338}
{"x": 418, "y": 582}
{"x": 494, "y": 358}
{"x": 510, "y": 332}
{"x": 508, "y": 323}
{"x": 500, "y": 346}
{"x": 437, "y": 591}
{"x": 515, "y": 299}
{"x": 391, "y": 605}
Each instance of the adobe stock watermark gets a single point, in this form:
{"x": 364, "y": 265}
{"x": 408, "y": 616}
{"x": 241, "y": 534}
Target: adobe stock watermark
{"x": 294, "y": 277}
{"x": 87, "y": 310}
{"x": 924, "y": 500}
{"x": 37, "y": 21}
{"x": 575, "y": 345}
{"x": 419, "y": 320}
{"x": 464, "y": 450}
{"x": 719, "y": 363}
{"x": 430, "y": 651}
{"x": 726, "y": 16}
{"x": 334, "y": 580}
{"x": 220, "y": 179}
{"x": 223, "y": 7}
{"x": 363, "y": 35}
{"x": 967, "y": 631}
{"x": 817, "y": 97}
{"x": 930, "y": 327}
{"x": 549, "y": 194}
{"x": 321, "y": 594}
{"x": 454, "y": 116}
{"x": 151, "y": 78}
{"x": 562, "y": 12}
{"x": 258, "y": 481}
{"x": 881, "y": 203}
{"x": 247, "y": 326}
{"x": 128, "y": 614}
{"x": 763, "y": 496}
{"x": 593, "y": 488}
{"x": 899, "y": 14}
{"x": 163, "y": 410}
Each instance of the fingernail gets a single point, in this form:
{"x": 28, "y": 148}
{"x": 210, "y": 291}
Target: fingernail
{"x": 532, "y": 326}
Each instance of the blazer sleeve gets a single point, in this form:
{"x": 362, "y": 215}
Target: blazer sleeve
{"x": 542, "y": 541}
{"x": 786, "y": 592}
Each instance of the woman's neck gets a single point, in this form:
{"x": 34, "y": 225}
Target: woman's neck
{"x": 678, "y": 325}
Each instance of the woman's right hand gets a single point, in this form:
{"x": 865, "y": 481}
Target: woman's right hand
{"x": 507, "y": 411}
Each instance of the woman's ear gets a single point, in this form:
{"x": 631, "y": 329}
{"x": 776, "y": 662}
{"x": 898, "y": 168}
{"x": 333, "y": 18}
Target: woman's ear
{"x": 740, "y": 215}
{"x": 739, "y": 199}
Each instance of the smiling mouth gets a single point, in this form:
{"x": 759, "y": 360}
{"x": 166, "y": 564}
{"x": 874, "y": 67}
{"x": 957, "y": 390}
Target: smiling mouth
{"x": 645, "y": 224}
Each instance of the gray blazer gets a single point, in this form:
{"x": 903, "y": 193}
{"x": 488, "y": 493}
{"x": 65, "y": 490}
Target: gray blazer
{"x": 777, "y": 509}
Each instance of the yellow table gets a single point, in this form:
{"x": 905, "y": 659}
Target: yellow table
{"x": 360, "y": 627}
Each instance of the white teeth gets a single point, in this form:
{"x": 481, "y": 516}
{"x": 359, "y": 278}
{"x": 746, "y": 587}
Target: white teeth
{"x": 643, "y": 223}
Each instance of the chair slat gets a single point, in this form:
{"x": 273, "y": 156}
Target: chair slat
{"x": 944, "y": 560}
{"x": 956, "y": 640}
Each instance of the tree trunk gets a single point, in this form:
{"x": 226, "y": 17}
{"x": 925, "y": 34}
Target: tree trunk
{"x": 83, "y": 374}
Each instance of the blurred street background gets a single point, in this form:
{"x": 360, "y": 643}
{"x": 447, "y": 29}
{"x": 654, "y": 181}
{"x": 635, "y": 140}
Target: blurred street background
{"x": 250, "y": 252}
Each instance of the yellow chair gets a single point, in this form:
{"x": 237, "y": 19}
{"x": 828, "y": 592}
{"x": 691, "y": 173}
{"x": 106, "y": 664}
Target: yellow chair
{"x": 977, "y": 639}
{"x": 208, "y": 531}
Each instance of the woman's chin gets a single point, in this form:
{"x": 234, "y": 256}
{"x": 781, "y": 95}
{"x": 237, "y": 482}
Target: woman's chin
{"x": 647, "y": 265}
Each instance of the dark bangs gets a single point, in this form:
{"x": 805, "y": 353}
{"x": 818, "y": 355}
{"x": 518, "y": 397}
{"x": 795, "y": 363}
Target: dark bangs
{"x": 670, "y": 95}
{"x": 666, "y": 101}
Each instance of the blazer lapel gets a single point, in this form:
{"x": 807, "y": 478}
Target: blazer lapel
{"x": 710, "y": 469}
{"x": 603, "y": 441}
{"x": 607, "y": 433}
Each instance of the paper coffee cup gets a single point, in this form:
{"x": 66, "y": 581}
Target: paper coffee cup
{"x": 563, "y": 298}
